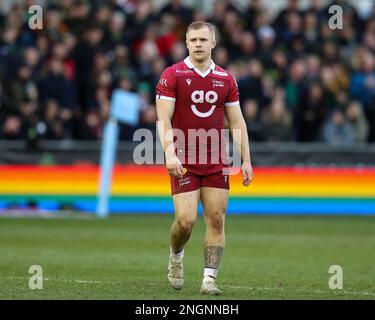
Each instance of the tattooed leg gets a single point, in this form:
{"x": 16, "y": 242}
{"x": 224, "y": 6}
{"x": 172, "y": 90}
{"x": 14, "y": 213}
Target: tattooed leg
{"x": 212, "y": 257}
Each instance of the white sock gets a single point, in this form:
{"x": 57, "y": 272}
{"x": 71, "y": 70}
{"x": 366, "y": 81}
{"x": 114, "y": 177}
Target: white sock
{"x": 209, "y": 272}
{"x": 179, "y": 255}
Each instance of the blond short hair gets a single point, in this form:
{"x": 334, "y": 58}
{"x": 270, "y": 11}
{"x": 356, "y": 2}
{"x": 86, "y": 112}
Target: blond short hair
{"x": 201, "y": 24}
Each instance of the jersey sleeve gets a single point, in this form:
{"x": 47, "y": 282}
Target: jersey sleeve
{"x": 166, "y": 87}
{"x": 233, "y": 96}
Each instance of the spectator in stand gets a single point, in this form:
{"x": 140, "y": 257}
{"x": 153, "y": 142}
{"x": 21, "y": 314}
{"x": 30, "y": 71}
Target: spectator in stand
{"x": 295, "y": 85}
{"x": 337, "y": 131}
{"x": 54, "y": 85}
{"x": 313, "y": 66}
{"x": 279, "y": 66}
{"x": 157, "y": 68}
{"x": 220, "y": 56}
{"x": 253, "y": 10}
{"x": 54, "y": 125}
{"x": 311, "y": 31}
{"x": 358, "y": 122}
{"x": 247, "y": 46}
{"x": 122, "y": 67}
{"x": 277, "y": 119}
{"x": 149, "y": 118}
{"x": 266, "y": 36}
{"x": 93, "y": 123}
{"x": 117, "y": 34}
{"x": 251, "y": 85}
{"x": 310, "y": 114}
{"x": 281, "y": 21}
{"x": 316, "y": 8}
{"x": 21, "y": 88}
{"x": 254, "y": 125}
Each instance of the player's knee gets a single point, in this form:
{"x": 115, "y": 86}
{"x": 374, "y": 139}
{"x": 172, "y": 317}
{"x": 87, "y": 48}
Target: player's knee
{"x": 217, "y": 226}
{"x": 215, "y": 221}
{"x": 186, "y": 225}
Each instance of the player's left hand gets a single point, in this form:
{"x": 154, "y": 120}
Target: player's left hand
{"x": 247, "y": 173}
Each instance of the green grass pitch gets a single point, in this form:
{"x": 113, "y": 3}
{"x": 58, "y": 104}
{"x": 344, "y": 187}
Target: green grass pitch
{"x": 125, "y": 257}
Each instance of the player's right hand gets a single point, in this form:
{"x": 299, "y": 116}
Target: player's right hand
{"x": 174, "y": 167}
{"x": 247, "y": 173}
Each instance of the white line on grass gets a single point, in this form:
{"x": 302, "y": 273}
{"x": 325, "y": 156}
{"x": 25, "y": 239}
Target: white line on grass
{"x": 76, "y": 281}
{"x": 60, "y": 280}
{"x": 354, "y": 293}
{"x": 280, "y": 290}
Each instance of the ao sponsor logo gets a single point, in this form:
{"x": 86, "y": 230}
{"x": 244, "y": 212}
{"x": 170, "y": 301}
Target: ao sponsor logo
{"x": 198, "y": 96}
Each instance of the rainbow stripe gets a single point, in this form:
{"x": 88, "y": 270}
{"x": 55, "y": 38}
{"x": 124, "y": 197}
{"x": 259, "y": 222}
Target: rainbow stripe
{"x": 284, "y": 190}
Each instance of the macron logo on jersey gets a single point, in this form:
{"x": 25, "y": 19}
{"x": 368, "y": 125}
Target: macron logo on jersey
{"x": 188, "y": 81}
{"x": 163, "y": 82}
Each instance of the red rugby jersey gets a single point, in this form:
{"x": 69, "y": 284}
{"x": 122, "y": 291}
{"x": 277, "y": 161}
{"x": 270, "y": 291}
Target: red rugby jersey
{"x": 199, "y": 104}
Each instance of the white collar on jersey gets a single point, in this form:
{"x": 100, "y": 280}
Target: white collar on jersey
{"x": 192, "y": 66}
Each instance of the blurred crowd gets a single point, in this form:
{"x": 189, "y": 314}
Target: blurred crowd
{"x": 298, "y": 79}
